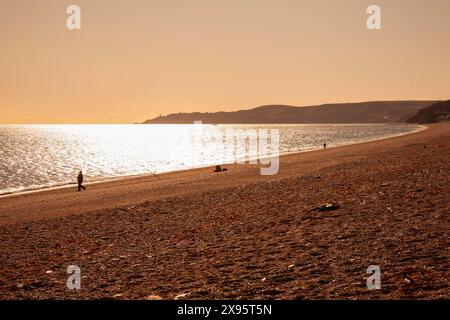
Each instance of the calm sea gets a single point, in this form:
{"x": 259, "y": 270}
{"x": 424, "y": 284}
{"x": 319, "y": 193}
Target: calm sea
{"x": 42, "y": 156}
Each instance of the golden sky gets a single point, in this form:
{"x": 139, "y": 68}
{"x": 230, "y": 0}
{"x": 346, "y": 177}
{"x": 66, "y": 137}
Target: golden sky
{"x": 135, "y": 59}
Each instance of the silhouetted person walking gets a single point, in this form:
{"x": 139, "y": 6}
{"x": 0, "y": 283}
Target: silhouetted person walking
{"x": 324, "y": 146}
{"x": 80, "y": 181}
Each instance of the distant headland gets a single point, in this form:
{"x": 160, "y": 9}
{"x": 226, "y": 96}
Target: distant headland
{"x": 363, "y": 112}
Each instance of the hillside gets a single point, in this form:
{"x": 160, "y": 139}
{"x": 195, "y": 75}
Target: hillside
{"x": 437, "y": 112}
{"x": 365, "y": 112}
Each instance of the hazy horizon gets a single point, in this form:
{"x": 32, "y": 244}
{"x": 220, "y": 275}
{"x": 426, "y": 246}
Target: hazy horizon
{"x": 134, "y": 60}
{"x": 141, "y": 121}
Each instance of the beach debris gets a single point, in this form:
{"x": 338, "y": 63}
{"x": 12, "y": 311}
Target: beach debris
{"x": 117, "y": 295}
{"x": 48, "y": 271}
{"x": 153, "y": 297}
{"x": 264, "y": 279}
{"x": 326, "y": 207}
{"x": 181, "y": 296}
{"x": 220, "y": 169}
{"x": 291, "y": 266}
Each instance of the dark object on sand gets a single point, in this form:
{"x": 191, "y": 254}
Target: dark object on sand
{"x": 80, "y": 181}
{"x": 220, "y": 169}
{"x": 324, "y": 146}
{"x": 326, "y": 207}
